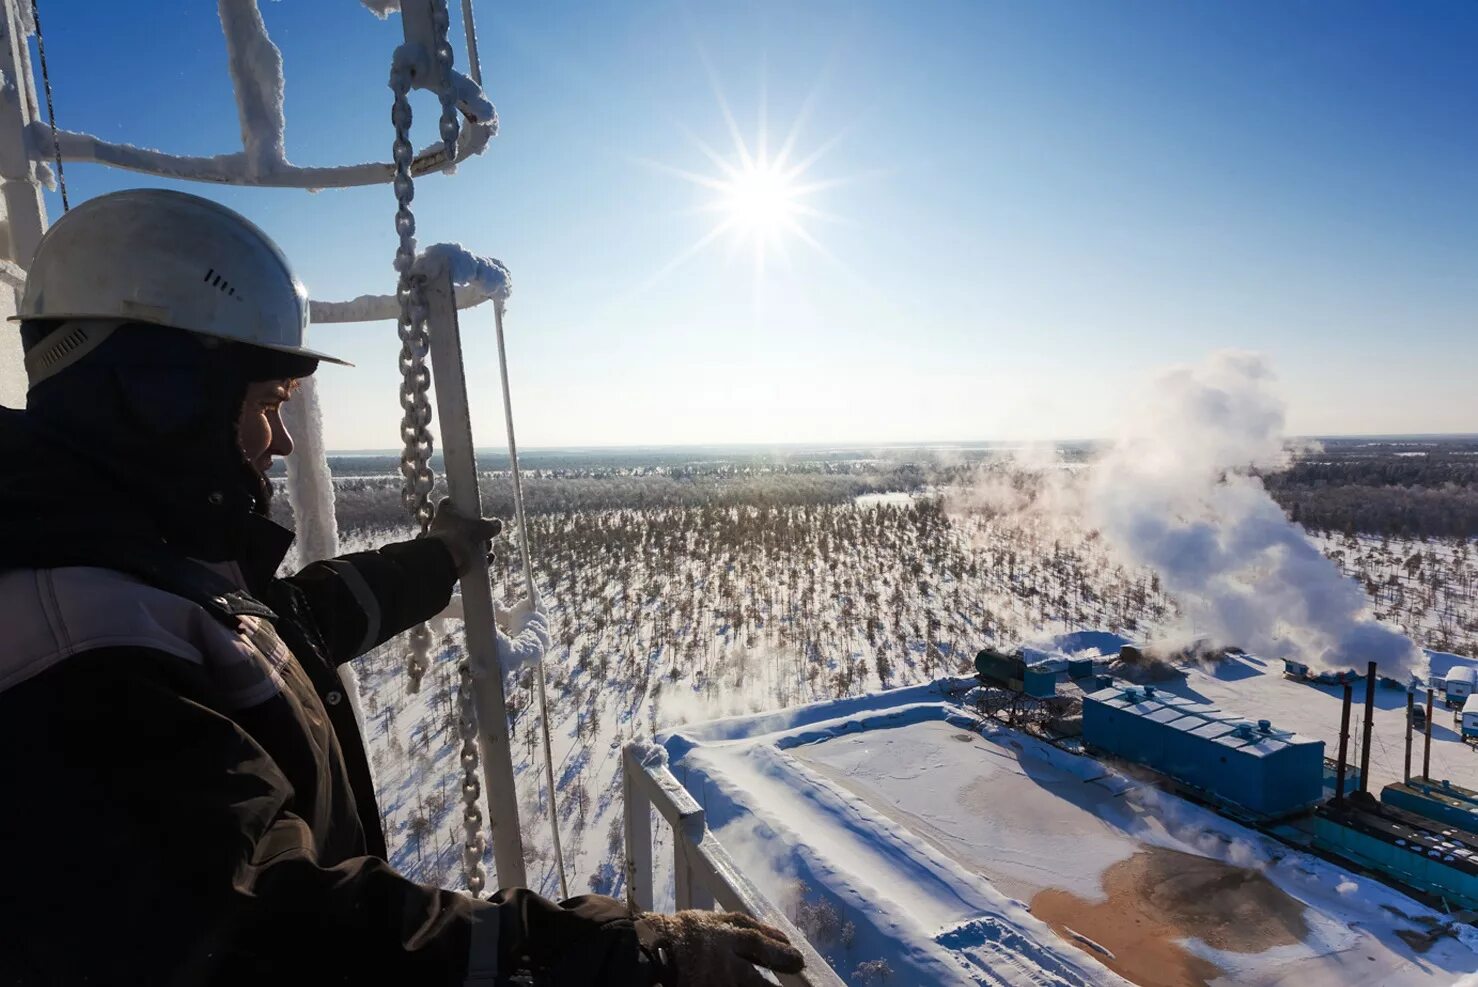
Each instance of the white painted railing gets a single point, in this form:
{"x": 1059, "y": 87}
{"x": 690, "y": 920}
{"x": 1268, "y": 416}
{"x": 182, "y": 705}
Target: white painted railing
{"x": 703, "y": 871}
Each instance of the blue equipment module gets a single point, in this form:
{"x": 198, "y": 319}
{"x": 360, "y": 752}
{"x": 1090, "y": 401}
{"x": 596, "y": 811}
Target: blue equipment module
{"x": 1254, "y": 768}
{"x": 1423, "y": 854}
{"x": 1443, "y": 802}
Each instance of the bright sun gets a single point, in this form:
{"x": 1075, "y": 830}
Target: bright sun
{"x": 760, "y": 200}
{"x": 760, "y": 197}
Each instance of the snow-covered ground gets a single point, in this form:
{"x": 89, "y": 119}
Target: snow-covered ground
{"x": 672, "y": 616}
{"x": 955, "y": 848}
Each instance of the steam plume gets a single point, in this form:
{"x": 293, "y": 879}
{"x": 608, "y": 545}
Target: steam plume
{"x": 1174, "y": 493}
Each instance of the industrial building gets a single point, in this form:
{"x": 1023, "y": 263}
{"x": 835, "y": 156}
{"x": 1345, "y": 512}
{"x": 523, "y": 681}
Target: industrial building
{"x": 1432, "y": 858}
{"x": 1261, "y": 771}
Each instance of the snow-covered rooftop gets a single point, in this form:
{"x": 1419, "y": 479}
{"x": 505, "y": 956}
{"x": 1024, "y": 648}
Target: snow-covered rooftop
{"x": 960, "y": 852}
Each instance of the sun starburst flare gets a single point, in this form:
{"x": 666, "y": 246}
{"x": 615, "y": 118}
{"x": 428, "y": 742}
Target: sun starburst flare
{"x": 761, "y": 200}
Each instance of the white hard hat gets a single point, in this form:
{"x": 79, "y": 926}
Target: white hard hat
{"x": 171, "y": 259}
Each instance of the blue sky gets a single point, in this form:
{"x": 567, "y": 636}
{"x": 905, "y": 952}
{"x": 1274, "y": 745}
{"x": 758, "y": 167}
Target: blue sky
{"x": 1029, "y": 208}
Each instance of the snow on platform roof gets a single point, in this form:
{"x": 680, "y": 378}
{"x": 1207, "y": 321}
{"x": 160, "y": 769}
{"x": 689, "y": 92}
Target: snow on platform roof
{"x": 1199, "y": 719}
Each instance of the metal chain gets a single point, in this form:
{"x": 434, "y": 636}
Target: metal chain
{"x": 451, "y": 127}
{"x": 415, "y": 377}
{"x": 415, "y": 384}
{"x": 56, "y": 143}
{"x": 475, "y": 846}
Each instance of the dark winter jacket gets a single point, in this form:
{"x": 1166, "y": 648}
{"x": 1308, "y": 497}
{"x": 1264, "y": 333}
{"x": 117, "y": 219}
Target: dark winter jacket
{"x": 186, "y": 794}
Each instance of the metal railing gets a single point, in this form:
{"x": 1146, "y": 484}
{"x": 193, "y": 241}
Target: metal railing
{"x": 703, "y": 872}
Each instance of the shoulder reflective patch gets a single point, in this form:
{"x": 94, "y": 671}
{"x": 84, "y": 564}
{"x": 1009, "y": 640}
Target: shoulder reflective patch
{"x": 53, "y": 614}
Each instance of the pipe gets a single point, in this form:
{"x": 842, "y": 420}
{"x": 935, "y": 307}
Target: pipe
{"x": 1344, "y": 743}
{"x": 1410, "y": 705}
{"x": 1369, "y": 728}
{"x": 1427, "y": 746}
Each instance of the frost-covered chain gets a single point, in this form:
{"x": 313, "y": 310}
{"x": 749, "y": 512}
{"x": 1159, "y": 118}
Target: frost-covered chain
{"x": 475, "y": 845}
{"x": 415, "y": 377}
{"x": 451, "y": 127}
{"x": 415, "y": 460}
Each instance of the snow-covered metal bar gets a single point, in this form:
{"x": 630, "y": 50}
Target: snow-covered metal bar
{"x": 12, "y": 274}
{"x": 22, "y": 210}
{"x": 450, "y": 379}
{"x": 255, "y": 64}
{"x": 647, "y": 781}
{"x": 25, "y": 211}
{"x": 638, "y": 864}
{"x": 231, "y": 169}
{"x": 379, "y": 308}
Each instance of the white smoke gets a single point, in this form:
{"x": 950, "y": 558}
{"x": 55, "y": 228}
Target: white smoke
{"x": 1174, "y": 493}
{"x": 752, "y": 682}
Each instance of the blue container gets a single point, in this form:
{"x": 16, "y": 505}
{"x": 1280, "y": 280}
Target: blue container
{"x": 1444, "y": 802}
{"x": 1039, "y": 683}
{"x": 1253, "y": 767}
{"x": 1438, "y": 860}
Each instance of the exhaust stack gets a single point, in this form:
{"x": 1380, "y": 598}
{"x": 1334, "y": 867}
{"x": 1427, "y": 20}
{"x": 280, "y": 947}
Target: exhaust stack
{"x": 1410, "y": 705}
{"x": 1369, "y": 725}
{"x": 1344, "y": 744}
{"x": 1427, "y": 744}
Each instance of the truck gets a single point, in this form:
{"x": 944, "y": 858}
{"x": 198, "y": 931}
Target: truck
{"x": 1467, "y": 720}
{"x": 1459, "y": 685}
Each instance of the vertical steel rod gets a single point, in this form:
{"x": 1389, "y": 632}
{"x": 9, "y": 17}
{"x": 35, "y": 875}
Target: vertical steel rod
{"x": 449, "y": 376}
{"x": 1344, "y": 743}
{"x": 1369, "y": 727}
{"x": 469, "y": 27}
{"x": 533, "y": 593}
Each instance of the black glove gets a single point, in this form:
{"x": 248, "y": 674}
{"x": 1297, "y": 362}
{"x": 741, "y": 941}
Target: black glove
{"x": 595, "y": 941}
{"x": 589, "y": 941}
{"x": 466, "y": 538}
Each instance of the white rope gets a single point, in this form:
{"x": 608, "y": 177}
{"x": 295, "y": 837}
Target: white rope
{"x": 533, "y": 592}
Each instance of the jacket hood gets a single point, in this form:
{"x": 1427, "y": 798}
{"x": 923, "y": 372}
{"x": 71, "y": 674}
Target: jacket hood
{"x": 72, "y": 500}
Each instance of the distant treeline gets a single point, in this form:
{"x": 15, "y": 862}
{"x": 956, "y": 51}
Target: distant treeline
{"x": 374, "y": 503}
{"x": 1433, "y": 495}
{"x": 1355, "y": 488}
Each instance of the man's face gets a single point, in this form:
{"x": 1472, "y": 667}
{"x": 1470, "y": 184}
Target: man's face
{"x": 260, "y": 430}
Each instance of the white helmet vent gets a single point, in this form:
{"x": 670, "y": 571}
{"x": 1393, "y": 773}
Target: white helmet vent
{"x": 64, "y": 346}
{"x": 216, "y": 281}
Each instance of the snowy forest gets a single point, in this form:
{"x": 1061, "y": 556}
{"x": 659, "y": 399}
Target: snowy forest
{"x": 688, "y": 589}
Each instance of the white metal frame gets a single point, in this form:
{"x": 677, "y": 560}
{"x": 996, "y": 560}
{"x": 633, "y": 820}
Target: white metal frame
{"x": 703, "y": 872}
{"x": 25, "y": 210}
{"x": 450, "y": 380}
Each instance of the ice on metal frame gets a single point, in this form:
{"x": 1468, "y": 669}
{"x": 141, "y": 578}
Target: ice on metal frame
{"x": 256, "y": 78}
{"x": 256, "y": 74}
{"x": 381, "y": 8}
{"x": 486, "y": 276}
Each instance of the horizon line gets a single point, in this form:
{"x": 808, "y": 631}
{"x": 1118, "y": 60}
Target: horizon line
{"x": 868, "y": 444}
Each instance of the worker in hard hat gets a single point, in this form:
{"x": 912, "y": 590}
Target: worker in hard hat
{"x": 189, "y": 800}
